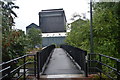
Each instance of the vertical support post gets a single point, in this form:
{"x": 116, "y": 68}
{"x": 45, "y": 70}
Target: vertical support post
{"x": 91, "y": 38}
{"x": 35, "y": 65}
{"x": 89, "y": 62}
{"x": 18, "y": 72}
{"x": 38, "y": 66}
{"x": 41, "y": 61}
{"x": 91, "y": 29}
{"x": 86, "y": 70}
{"x": 24, "y": 60}
{"x": 118, "y": 69}
{"x": 100, "y": 66}
{"x": 86, "y": 67}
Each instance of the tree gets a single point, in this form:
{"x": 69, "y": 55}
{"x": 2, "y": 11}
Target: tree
{"x": 106, "y": 32}
{"x": 8, "y": 35}
{"x": 106, "y": 28}
{"x": 8, "y": 15}
{"x": 79, "y": 34}
{"x": 35, "y": 37}
{"x": 13, "y": 41}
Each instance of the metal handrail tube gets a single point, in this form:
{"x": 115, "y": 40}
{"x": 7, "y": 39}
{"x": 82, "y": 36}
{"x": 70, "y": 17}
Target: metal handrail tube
{"x": 20, "y": 76}
{"x": 13, "y": 71}
{"x": 101, "y": 72}
{"x": 16, "y": 59}
{"x": 12, "y": 60}
{"x": 108, "y": 66}
{"x": 18, "y": 67}
{"x": 109, "y": 57}
{"x": 117, "y": 70}
{"x": 5, "y": 69}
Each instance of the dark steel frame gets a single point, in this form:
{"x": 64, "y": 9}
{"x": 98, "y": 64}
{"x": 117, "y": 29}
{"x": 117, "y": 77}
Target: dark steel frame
{"x": 91, "y": 30}
{"x": 42, "y": 58}
{"x": 101, "y": 63}
{"x": 16, "y": 70}
{"x": 78, "y": 55}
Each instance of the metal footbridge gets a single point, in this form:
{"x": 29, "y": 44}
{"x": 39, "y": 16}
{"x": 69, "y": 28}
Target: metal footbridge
{"x": 64, "y": 63}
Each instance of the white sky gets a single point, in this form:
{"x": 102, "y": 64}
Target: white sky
{"x": 29, "y": 9}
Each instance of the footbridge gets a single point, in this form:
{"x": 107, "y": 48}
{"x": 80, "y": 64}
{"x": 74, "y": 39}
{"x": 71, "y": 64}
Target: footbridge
{"x": 63, "y": 63}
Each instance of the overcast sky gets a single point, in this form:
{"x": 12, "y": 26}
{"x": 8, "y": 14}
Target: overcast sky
{"x": 29, "y": 9}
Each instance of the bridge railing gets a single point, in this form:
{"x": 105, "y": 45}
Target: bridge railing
{"x": 100, "y": 65}
{"x": 12, "y": 68}
{"x": 42, "y": 59}
{"x": 78, "y": 55}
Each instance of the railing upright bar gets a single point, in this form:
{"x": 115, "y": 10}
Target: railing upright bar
{"x": 35, "y": 65}
{"x": 89, "y": 63}
{"x": 100, "y": 65}
{"x": 24, "y": 67}
{"x": 86, "y": 69}
{"x": 41, "y": 62}
{"x": 38, "y": 66}
{"x": 18, "y": 72}
{"x": 118, "y": 70}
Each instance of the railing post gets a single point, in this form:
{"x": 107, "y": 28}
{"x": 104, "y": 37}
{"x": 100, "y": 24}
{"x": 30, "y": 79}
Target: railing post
{"x": 38, "y": 66}
{"x": 89, "y": 63}
{"x": 86, "y": 66}
{"x": 118, "y": 69}
{"x": 41, "y": 61}
{"x": 35, "y": 65}
{"x": 24, "y": 60}
{"x": 18, "y": 72}
{"x": 100, "y": 66}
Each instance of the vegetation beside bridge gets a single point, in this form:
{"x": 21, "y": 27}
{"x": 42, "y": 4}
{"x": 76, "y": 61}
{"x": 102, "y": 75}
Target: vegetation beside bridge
{"x": 106, "y": 32}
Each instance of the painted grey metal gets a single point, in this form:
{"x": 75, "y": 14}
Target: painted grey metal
{"x": 51, "y": 21}
{"x": 52, "y": 40}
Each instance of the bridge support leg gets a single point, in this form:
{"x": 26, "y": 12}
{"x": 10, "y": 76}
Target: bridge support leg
{"x": 86, "y": 70}
{"x": 24, "y": 60}
{"x": 118, "y": 69}
{"x": 38, "y": 66}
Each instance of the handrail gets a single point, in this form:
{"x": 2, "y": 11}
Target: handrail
{"x": 78, "y": 55}
{"x": 101, "y": 64}
{"x": 9, "y": 72}
{"x": 42, "y": 57}
{"x": 109, "y": 57}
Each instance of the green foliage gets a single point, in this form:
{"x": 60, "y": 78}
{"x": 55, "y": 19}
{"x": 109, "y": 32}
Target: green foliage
{"x": 13, "y": 41}
{"x": 79, "y": 35}
{"x": 106, "y": 32}
{"x": 35, "y": 37}
{"x": 106, "y": 29}
{"x": 8, "y": 15}
{"x": 13, "y": 44}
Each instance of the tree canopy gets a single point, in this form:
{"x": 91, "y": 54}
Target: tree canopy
{"x": 106, "y": 30}
{"x": 35, "y": 37}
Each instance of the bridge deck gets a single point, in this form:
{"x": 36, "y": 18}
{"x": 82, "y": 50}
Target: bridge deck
{"x": 60, "y": 63}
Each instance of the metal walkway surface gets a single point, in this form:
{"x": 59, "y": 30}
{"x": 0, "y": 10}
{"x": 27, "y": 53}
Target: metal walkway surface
{"x": 60, "y": 63}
